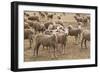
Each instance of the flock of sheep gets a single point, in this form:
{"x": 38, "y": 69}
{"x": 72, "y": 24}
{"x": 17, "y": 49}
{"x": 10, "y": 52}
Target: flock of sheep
{"x": 41, "y": 28}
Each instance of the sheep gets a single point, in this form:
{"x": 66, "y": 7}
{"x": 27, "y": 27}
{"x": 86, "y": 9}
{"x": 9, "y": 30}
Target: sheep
{"x": 52, "y": 27}
{"x": 85, "y": 38}
{"x": 60, "y": 27}
{"x": 45, "y": 40}
{"x": 84, "y": 20}
{"x": 25, "y": 19}
{"x": 59, "y": 22}
{"x": 61, "y": 35}
{"x": 78, "y": 18}
{"x": 26, "y": 14}
{"x": 50, "y": 16}
{"x": 34, "y": 18}
{"x": 58, "y": 17}
{"x": 29, "y": 34}
{"x": 76, "y": 32}
{"x": 26, "y": 26}
{"x": 48, "y": 32}
{"x": 42, "y": 14}
{"x": 61, "y": 38}
{"x": 38, "y": 27}
{"x": 47, "y": 24}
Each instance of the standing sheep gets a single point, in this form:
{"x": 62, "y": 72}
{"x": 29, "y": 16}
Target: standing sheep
{"x": 85, "y": 38}
{"x": 26, "y": 25}
{"x": 45, "y": 40}
{"x": 28, "y": 34}
{"x": 38, "y": 27}
{"x": 61, "y": 39}
{"x": 47, "y": 24}
{"x": 76, "y": 32}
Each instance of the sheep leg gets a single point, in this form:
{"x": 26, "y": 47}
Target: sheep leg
{"x": 36, "y": 49}
{"x": 31, "y": 43}
{"x": 63, "y": 49}
{"x": 76, "y": 37}
{"x": 54, "y": 52}
{"x": 48, "y": 49}
{"x": 79, "y": 36}
{"x": 82, "y": 43}
{"x": 85, "y": 44}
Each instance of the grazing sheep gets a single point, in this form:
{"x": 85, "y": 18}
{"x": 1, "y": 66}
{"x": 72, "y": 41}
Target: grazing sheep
{"x": 28, "y": 34}
{"x": 85, "y": 38}
{"x": 84, "y": 20}
{"x": 45, "y": 40}
{"x": 38, "y": 27}
{"x": 34, "y": 18}
{"x": 76, "y": 32}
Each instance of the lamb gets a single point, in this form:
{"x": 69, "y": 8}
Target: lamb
{"x": 76, "y": 32}
{"x": 45, "y": 40}
{"x": 29, "y": 34}
{"x": 85, "y": 38}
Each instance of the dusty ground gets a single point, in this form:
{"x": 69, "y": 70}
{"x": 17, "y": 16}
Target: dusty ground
{"x": 72, "y": 50}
